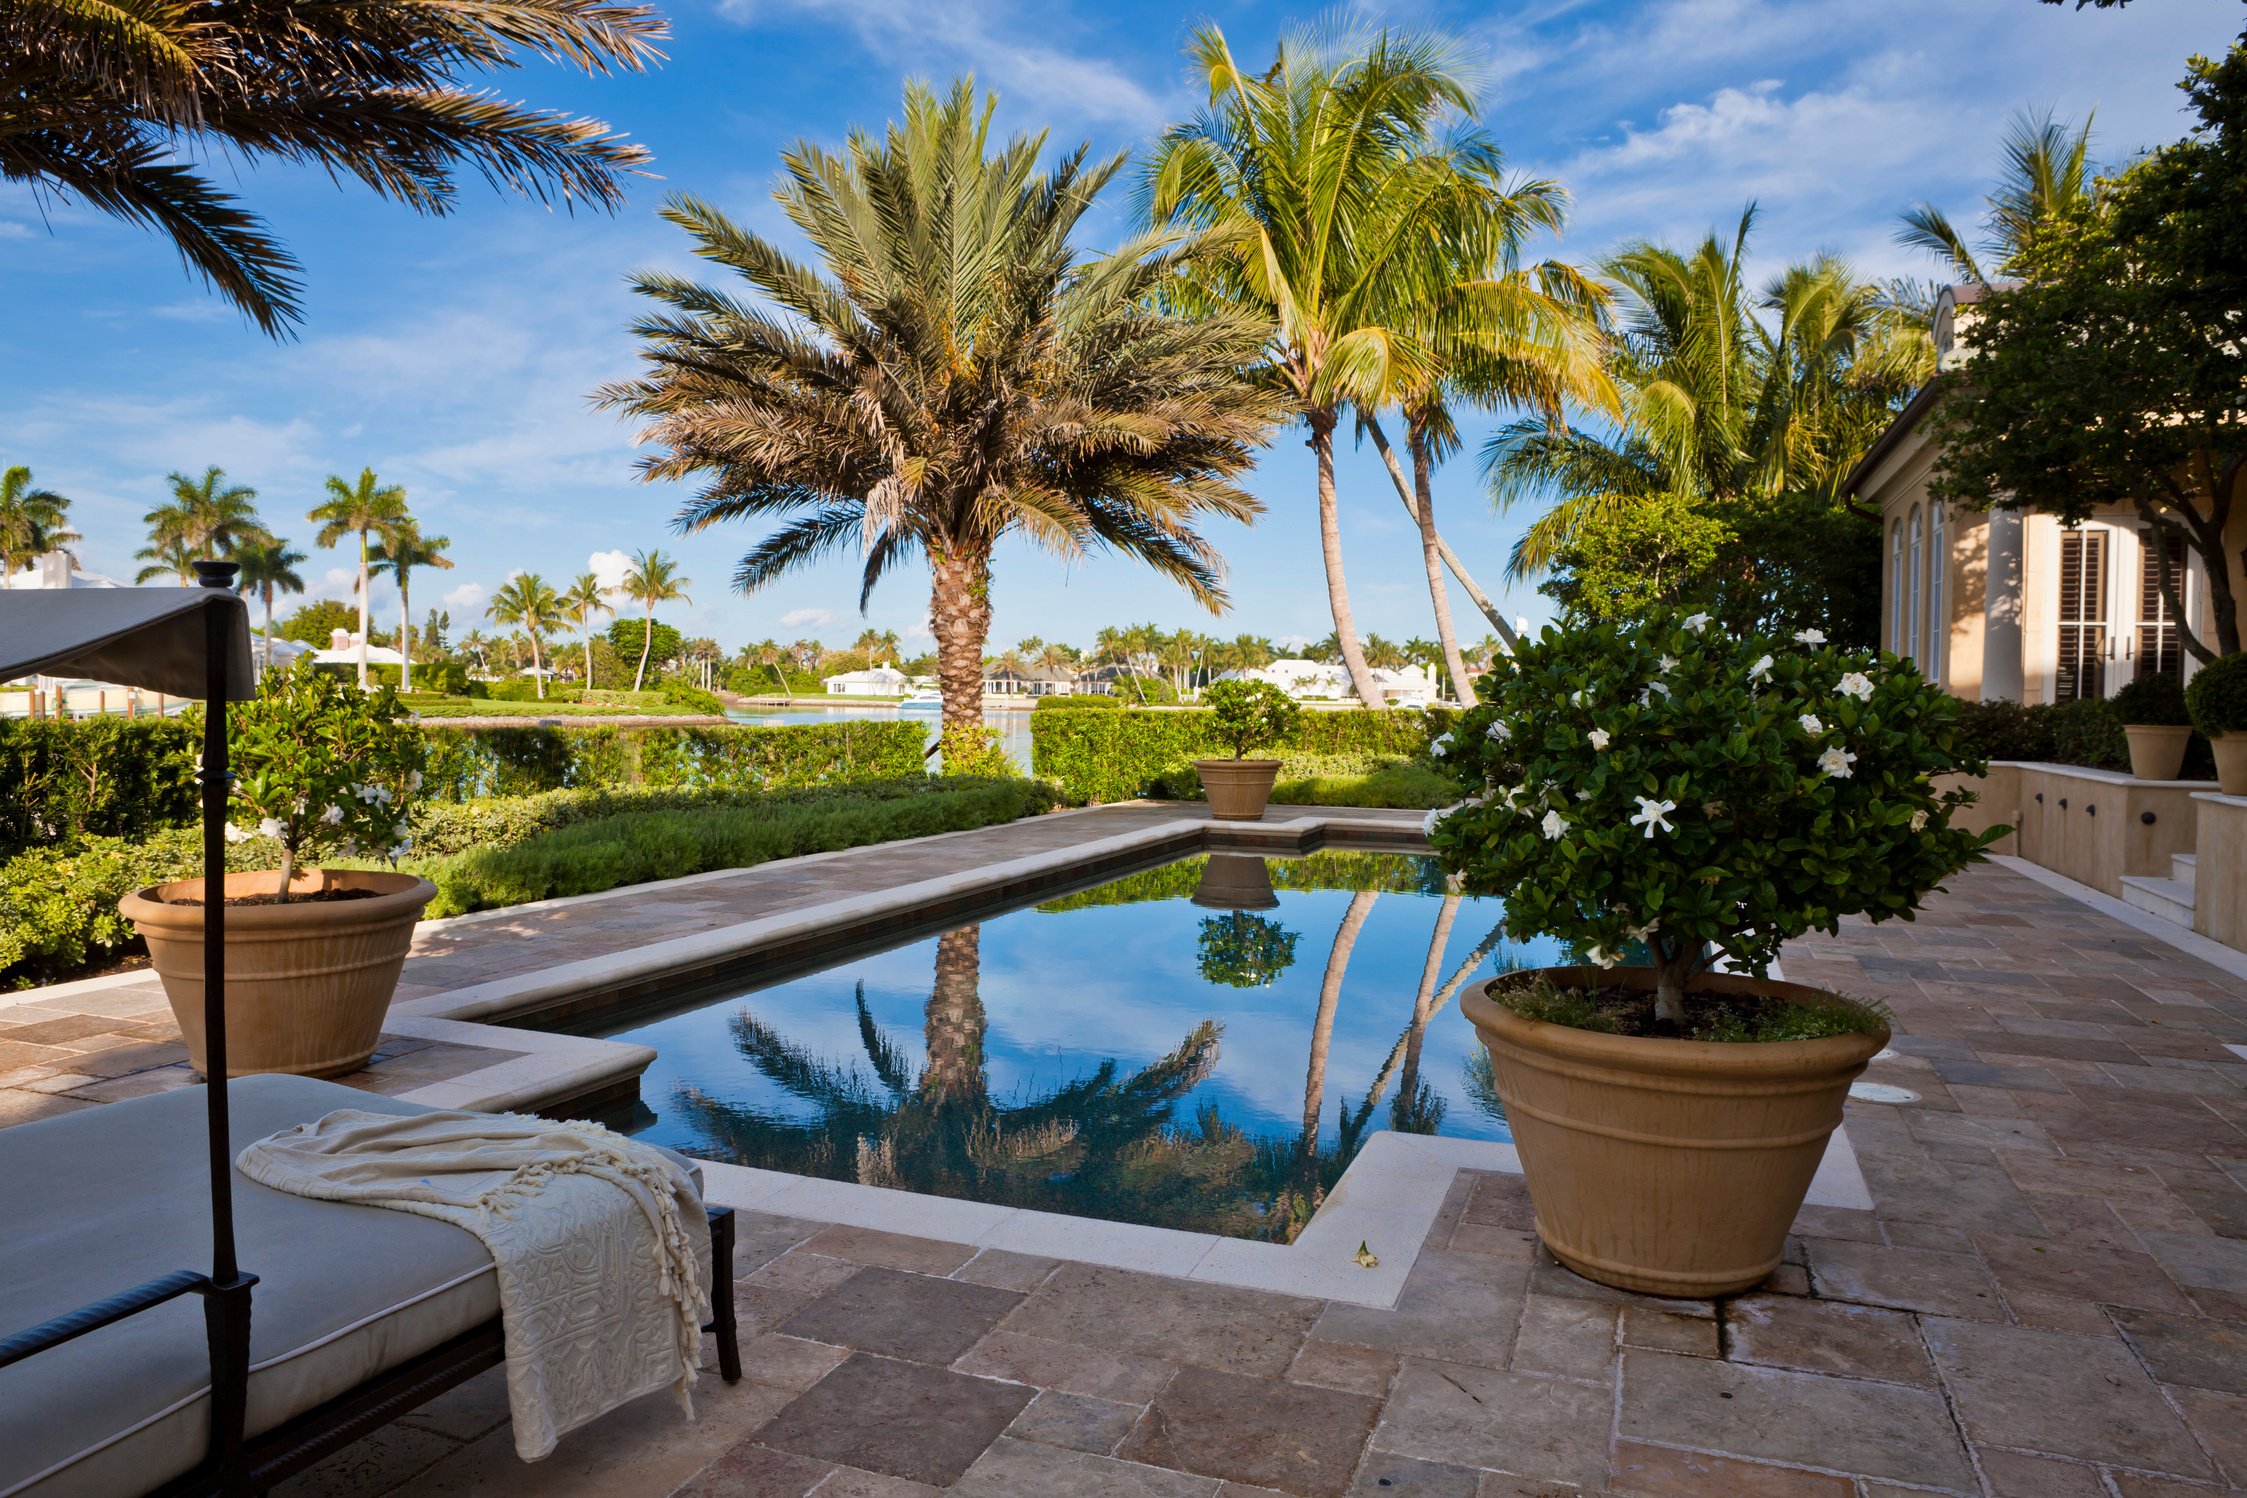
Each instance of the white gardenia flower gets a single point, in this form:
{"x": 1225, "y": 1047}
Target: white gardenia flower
{"x": 1810, "y": 636}
{"x": 366, "y": 793}
{"x": 333, "y": 816}
{"x": 413, "y": 781}
{"x": 1600, "y": 738}
{"x": 1811, "y": 725}
{"x": 1498, "y": 730}
{"x": 270, "y": 827}
{"x": 1554, "y": 824}
{"x": 1669, "y": 663}
{"x": 1653, "y": 814}
{"x": 1919, "y": 820}
{"x": 1697, "y": 622}
{"x": 1435, "y": 815}
{"x": 1645, "y": 932}
{"x": 1836, "y": 763}
{"x": 1603, "y": 957}
{"x": 235, "y": 834}
{"x": 1440, "y": 746}
{"x": 1856, "y": 684}
{"x": 1583, "y": 795}
{"x": 1760, "y": 669}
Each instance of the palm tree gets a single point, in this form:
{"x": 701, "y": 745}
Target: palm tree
{"x": 526, "y": 602}
{"x": 2047, "y": 172}
{"x": 1316, "y": 183}
{"x": 208, "y": 516}
{"x": 32, "y": 520}
{"x": 474, "y": 645}
{"x": 367, "y": 507}
{"x": 1719, "y": 403}
{"x": 586, "y": 601}
{"x": 268, "y": 567}
{"x": 165, "y": 555}
{"x": 951, "y": 373}
{"x": 653, "y": 579}
{"x": 402, "y": 549}
{"x": 105, "y": 103}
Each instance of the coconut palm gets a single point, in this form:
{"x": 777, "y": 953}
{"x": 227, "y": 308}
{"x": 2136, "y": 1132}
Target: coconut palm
{"x": 403, "y": 548}
{"x": 477, "y": 648}
{"x": 653, "y": 579}
{"x": 525, "y": 602}
{"x": 1316, "y": 183}
{"x": 166, "y": 555}
{"x": 585, "y": 601}
{"x": 109, "y": 105}
{"x": 2047, "y": 172}
{"x": 950, "y": 373}
{"x": 366, "y": 508}
{"x": 1727, "y": 394}
{"x": 268, "y": 566}
{"x": 33, "y": 521}
{"x": 207, "y": 515}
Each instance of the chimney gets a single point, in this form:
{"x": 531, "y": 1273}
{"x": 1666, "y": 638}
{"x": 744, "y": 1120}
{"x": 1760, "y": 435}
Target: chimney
{"x": 339, "y": 639}
{"x": 54, "y": 570}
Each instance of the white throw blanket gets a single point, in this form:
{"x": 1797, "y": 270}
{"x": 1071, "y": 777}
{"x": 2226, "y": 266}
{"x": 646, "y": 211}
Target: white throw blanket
{"x": 600, "y": 1243}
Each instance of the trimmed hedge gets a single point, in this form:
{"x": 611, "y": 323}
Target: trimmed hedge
{"x": 1114, "y": 756}
{"x": 63, "y": 780}
{"x": 466, "y": 763}
{"x": 2085, "y": 733}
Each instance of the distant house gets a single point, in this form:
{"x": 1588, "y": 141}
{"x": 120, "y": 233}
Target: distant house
{"x": 57, "y": 569}
{"x": 1413, "y": 686}
{"x": 1300, "y": 678}
{"x": 343, "y": 650}
{"x": 880, "y": 681}
{"x": 2011, "y": 605}
{"x": 1028, "y": 681}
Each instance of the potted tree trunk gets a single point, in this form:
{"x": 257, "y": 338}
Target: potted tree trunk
{"x": 1245, "y": 715}
{"x": 312, "y": 954}
{"x": 2217, "y": 698}
{"x": 2154, "y": 720}
{"x": 1665, "y": 792}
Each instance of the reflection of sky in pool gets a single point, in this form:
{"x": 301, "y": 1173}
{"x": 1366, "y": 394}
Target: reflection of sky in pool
{"x": 787, "y": 1077}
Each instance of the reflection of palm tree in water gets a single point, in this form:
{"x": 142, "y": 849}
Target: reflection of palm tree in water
{"x": 1101, "y": 1146}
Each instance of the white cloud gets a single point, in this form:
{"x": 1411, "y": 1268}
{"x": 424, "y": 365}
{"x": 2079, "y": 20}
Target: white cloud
{"x": 809, "y": 618}
{"x": 467, "y": 599}
{"x": 920, "y": 630}
{"x": 610, "y": 567}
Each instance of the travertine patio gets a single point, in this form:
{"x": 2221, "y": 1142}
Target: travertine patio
{"x": 2050, "y": 1299}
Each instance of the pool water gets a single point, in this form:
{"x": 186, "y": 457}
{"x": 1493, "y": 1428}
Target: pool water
{"x": 1204, "y": 1045}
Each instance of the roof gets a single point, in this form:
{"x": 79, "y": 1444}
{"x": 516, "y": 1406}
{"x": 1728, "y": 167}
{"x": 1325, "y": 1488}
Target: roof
{"x": 157, "y": 638}
{"x": 1914, "y": 412}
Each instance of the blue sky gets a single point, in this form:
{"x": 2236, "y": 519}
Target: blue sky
{"x": 455, "y": 355}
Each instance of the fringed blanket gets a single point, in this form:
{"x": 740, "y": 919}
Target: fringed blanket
{"x": 600, "y": 1243}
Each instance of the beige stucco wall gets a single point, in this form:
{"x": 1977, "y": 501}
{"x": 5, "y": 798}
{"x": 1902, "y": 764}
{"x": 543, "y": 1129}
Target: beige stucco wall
{"x": 2091, "y": 825}
{"x": 2219, "y": 884}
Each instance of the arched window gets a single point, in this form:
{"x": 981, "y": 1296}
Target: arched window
{"x": 1911, "y": 584}
{"x": 1938, "y": 622}
{"x": 1896, "y": 587}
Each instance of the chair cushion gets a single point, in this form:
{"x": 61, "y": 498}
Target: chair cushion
{"x": 107, "y": 1198}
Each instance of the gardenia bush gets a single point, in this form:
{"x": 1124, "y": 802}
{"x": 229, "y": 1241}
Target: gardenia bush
{"x": 1246, "y": 715}
{"x": 322, "y": 767}
{"x": 1663, "y": 784}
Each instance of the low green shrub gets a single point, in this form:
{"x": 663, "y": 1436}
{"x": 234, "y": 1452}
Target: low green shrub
{"x": 2156, "y": 700}
{"x": 1079, "y": 701}
{"x": 58, "y": 906}
{"x": 2087, "y": 732}
{"x": 441, "y": 830}
{"x": 2217, "y": 696}
{"x": 467, "y": 763}
{"x": 693, "y": 698}
{"x": 1114, "y": 756}
{"x": 67, "y": 780}
{"x": 552, "y": 707}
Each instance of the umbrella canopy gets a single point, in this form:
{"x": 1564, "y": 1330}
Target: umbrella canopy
{"x": 157, "y": 638}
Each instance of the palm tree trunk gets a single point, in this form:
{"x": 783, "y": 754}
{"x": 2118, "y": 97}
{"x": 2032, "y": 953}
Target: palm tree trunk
{"x": 267, "y": 590}
{"x": 1330, "y": 549}
{"x": 588, "y": 692}
{"x": 362, "y": 611}
{"x": 405, "y": 633}
{"x": 954, "y": 1021}
{"x": 1424, "y": 1003}
{"x": 538, "y": 667}
{"x": 1467, "y": 583}
{"x": 1423, "y": 461}
{"x": 959, "y": 612}
{"x": 1322, "y": 1027}
{"x": 647, "y": 643}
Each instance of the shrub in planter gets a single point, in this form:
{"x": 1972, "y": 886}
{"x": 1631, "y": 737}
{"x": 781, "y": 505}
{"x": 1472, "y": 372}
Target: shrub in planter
{"x": 314, "y": 955}
{"x": 1667, "y": 788}
{"x": 1245, "y": 715}
{"x": 2153, "y": 716}
{"x": 2217, "y": 700}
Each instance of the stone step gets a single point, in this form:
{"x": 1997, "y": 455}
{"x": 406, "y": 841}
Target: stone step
{"x": 2167, "y": 898}
{"x": 2184, "y": 866}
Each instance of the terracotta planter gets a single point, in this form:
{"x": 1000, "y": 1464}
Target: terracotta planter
{"x": 2157, "y": 751}
{"x": 1670, "y": 1167}
{"x": 1239, "y": 789}
{"x": 307, "y": 985}
{"x": 1235, "y": 881}
{"x": 2231, "y": 762}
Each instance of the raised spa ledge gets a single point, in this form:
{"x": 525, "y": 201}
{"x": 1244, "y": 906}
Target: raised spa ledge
{"x": 2095, "y": 827}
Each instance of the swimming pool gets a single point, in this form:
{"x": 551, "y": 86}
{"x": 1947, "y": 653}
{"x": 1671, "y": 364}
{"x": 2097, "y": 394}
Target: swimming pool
{"x": 1202, "y": 1045}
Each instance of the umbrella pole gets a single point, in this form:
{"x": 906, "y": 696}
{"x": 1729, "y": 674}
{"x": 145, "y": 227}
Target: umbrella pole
{"x": 226, "y": 1305}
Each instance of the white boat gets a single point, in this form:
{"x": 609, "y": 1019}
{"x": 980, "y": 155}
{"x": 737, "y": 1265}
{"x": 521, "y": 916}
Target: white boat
{"x": 920, "y": 699}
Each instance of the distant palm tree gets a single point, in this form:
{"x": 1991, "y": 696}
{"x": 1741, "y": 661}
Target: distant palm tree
{"x": 111, "y": 105}
{"x": 268, "y": 567}
{"x": 367, "y": 508}
{"x": 653, "y": 579}
{"x": 2047, "y": 171}
{"x": 206, "y": 515}
{"x": 165, "y": 554}
{"x": 526, "y": 602}
{"x": 32, "y": 520}
{"x": 475, "y": 646}
{"x": 402, "y": 549}
{"x": 585, "y": 601}
{"x": 951, "y": 372}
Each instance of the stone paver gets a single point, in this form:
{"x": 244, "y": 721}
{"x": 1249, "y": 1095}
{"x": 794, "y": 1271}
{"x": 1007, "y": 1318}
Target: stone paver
{"x": 2048, "y": 1300}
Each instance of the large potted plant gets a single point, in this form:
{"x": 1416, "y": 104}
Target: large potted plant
{"x": 1666, "y": 791}
{"x": 2217, "y": 700}
{"x": 1245, "y": 715}
{"x": 2154, "y": 720}
{"x": 312, "y": 954}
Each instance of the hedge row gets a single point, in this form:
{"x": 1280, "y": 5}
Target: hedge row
{"x": 472, "y": 762}
{"x": 61, "y": 780}
{"x": 1114, "y": 756}
{"x": 2062, "y": 733}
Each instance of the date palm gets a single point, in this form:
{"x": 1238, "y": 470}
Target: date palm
{"x": 120, "y": 107}
{"x": 952, "y": 371}
{"x": 2047, "y": 172}
{"x": 402, "y": 549}
{"x": 651, "y": 581}
{"x": 33, "y": 521}
{"x": 268, "y": 566}
{"x": 1316, "y": 183}
{"x": 528, "y": 604}
{"x": 584, "y": 602}
{"x": 365, "y": 508}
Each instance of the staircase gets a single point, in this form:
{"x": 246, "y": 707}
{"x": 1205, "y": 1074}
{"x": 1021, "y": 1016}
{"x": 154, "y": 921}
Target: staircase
{"x": 2170, "y": 898}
